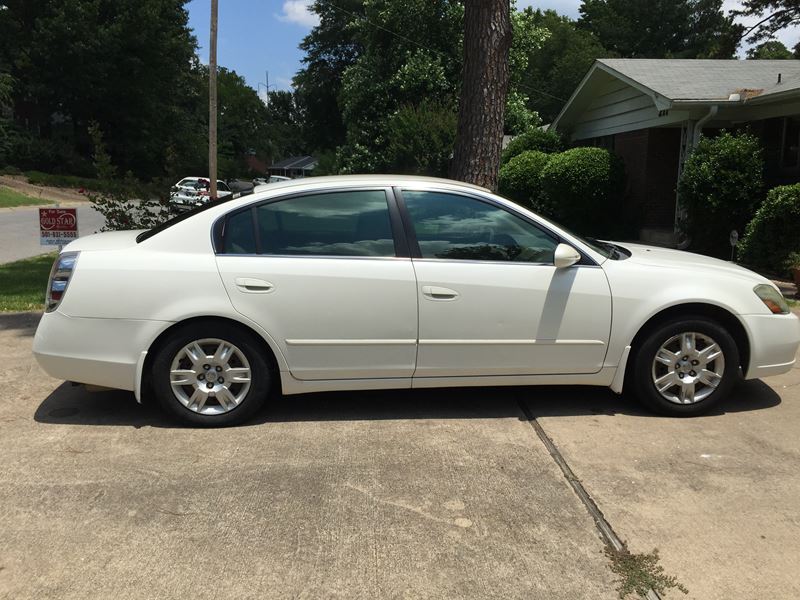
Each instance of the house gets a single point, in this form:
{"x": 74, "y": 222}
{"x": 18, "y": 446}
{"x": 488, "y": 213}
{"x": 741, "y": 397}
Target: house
{"x": 294, "y": 167}
{"x": 652, "y": 112}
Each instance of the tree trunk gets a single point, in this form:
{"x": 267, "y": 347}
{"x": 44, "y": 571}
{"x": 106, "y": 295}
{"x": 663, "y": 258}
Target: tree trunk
{"x": 212, "y": 102}
{"x": 479, "y": 138}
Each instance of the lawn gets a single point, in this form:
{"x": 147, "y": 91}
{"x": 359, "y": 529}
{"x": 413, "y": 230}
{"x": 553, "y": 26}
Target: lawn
{"x": 9, "y": 198}
{"x": 23, "y": 283}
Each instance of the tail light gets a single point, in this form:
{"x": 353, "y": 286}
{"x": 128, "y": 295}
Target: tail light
{"x": 60, "y": 275}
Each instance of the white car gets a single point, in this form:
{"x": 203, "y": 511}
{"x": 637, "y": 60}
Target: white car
{"x": 373, "y": 282}
{"x": 191, "y": 192}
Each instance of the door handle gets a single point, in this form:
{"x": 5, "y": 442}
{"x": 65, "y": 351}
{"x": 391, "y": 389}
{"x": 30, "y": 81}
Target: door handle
{"x": 433, "y": 292}
{"x": 253, "y": 286}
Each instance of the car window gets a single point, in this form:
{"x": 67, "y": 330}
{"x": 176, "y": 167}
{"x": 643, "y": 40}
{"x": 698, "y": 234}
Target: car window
{"x": 354, "y": 223}
{"x": 223, "y": 186}
{"x": 239, "y": 236}
{"x": 451, "y": 226}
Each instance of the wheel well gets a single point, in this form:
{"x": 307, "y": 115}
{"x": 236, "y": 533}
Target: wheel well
{"x": 164, "y": 335}
{"x": 710, "y": 311}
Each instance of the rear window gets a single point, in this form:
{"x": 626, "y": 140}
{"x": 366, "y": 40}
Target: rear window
{"x": 352, "y": 223}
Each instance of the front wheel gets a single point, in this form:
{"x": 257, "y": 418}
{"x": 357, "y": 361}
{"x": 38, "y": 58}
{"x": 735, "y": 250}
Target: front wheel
{"x": 211, "y": 375}
{"x": 685, "y": 367}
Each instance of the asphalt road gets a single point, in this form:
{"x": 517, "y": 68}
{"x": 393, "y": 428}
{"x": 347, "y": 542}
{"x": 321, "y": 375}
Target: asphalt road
{"x": 425, "y": 494}
{"x": 19, "y": 230}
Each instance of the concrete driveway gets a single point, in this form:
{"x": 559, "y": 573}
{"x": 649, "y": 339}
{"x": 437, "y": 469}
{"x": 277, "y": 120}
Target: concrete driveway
{"x": 447, "y": 494}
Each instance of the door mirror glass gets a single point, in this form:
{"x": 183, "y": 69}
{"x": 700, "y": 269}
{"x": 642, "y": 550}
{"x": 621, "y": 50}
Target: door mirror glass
{"x": 565, "y": 256}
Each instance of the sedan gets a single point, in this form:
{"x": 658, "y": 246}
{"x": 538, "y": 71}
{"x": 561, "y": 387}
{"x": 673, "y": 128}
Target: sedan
{"x": 376, "y": 282}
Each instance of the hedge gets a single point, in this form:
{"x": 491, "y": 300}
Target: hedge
{"x": 720, "y": 188}
{"x": 520, "y": 179}
{"x": 583, "y": 190}
{"x": 774, "y": 232}
{"x": 533, "y": 139}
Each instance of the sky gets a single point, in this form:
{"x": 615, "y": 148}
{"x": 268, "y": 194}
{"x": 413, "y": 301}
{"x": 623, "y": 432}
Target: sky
{"x": 260, "y": 36}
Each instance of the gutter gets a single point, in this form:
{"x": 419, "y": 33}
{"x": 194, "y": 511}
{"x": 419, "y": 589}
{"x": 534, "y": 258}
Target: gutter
{"x": 698, "y": 127}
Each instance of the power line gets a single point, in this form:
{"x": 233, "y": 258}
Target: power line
{"x": 424, "y": 47}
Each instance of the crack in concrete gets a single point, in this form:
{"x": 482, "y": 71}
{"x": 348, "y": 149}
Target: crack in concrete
{"x": 607, "y": 533}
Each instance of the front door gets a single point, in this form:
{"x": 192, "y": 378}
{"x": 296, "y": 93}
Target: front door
{"x": 490, "y": 300}
{"x": 321, "y": 273}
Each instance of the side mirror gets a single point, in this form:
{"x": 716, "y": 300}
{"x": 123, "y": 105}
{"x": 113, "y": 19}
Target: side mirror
{"x": 565, "y": 256}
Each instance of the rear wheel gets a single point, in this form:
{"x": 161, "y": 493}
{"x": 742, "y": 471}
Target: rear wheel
{"x": 685, "y": 367}
{"x": 211, "y": 375}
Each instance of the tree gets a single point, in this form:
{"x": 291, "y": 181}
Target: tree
{"x": 556, "y": 67}
{"x": 121, "y": 63}
{"x": 770, "y": 50}
{"x": 772, "y": 15}
{"x": 330, "y": 48}
{"x": 662, "y": 28}
{"x": 479, "y": 137}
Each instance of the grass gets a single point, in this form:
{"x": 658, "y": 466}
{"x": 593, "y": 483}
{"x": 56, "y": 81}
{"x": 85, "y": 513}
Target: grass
{"x": 23, "y": 283}
{"x": 9, "y": 198}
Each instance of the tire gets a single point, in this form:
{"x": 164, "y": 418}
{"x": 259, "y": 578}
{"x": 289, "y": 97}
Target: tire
{"x": 214, "y": 362}
{"x": 699, "y": 378}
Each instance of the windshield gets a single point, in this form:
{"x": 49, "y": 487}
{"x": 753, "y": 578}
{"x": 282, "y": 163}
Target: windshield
{"x": 605, "y": 249}
{"x": 177, "y": 219}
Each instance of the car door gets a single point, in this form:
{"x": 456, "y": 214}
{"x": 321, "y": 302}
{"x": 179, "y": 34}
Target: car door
{"x": 328, "y": 275}
{"x": 491, "y": 302}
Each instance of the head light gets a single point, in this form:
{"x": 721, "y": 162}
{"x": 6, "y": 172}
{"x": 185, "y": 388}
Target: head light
{"x": 772, "y": 299}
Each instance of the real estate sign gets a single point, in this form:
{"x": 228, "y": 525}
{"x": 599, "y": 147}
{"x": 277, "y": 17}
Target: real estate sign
{"x": 58, "y": 226}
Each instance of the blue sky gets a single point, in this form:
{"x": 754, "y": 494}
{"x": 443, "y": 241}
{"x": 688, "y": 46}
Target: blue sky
{"x": 256, "y": 36}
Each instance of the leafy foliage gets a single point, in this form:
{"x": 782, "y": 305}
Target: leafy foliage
{"x": 662, "y": 28}
{"x": 556, "y": 67}
{"x": 421, "y": 138}
{"x": 770, "y": 50}
{"x": 773, "y": 235}
{"x": 720, "y": 188}
{"x": 521, "y": 179}
{"x": 582, "y": 189}
{"x": 639, "y": 573}
{"x": 124, "y": 204}
{"x": 533, "y": 139}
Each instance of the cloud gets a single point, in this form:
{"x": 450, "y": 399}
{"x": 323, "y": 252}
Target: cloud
{"x": 299, "y": 13}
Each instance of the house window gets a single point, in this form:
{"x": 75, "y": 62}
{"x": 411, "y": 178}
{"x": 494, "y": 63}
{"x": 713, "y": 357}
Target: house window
{"x": 790, "y": 146}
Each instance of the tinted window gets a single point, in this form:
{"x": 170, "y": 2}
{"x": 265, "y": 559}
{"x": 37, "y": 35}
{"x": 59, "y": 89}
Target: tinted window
{"x": 458, "y": 227}
{"x": 239, "y": 236}
{"x": 334, "y": 224}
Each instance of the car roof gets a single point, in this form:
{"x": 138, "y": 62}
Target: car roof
{"x": 374, "y": 180}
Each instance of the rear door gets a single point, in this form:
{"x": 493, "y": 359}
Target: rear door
{"x": 328, "y": 275}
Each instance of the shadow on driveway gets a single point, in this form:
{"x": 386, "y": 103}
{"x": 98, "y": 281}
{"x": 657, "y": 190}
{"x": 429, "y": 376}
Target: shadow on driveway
{"x": 73, "y": 405}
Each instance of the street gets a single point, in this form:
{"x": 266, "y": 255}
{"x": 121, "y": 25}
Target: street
{"x": 19, "y": 230}
{"x": 423, "y": 494}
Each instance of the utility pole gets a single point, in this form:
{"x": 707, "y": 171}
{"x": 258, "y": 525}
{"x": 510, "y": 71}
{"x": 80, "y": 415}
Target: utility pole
{"x": 212, "y": 102}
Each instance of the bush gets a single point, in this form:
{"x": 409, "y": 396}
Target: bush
{"x": 533, "y": 139}
{"x": 774, "y": 233}
{"x": 521, "y": 179}
{"x": 720, "y": 188}
{"x": 583, "y": 189}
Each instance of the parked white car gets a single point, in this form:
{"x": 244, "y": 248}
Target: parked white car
{"x": 191, "y": 192}
{"x": 271, "y": 179}
{"x": 371, "y": 282}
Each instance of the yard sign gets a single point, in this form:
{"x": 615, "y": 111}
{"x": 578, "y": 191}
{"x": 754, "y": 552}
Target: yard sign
{"x": 58, "y": 226}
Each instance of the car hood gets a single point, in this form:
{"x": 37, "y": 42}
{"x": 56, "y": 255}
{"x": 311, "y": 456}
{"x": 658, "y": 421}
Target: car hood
{"x": 108, "y": 240}
{"x": 655, "y": 256}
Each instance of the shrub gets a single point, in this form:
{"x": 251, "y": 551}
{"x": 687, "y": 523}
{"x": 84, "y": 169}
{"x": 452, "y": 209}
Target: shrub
{"x": 721, "y": 186}
{"x": 774, "y": 233}
{"x": 521, "y": 179}
{"x": 533, "y": 139}
{"x": 583, "y": 188}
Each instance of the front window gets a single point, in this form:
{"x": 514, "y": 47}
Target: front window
{"x": 450, "y": 226}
